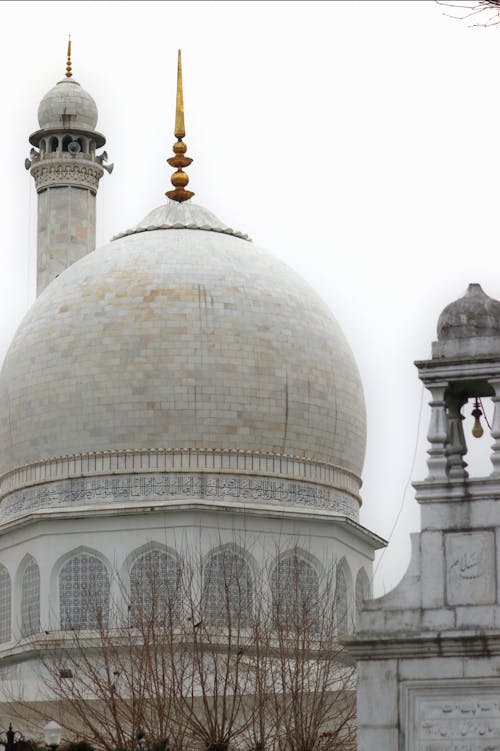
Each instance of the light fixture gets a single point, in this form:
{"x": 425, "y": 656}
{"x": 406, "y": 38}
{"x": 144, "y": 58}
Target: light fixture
{"x": 52, "y": 733}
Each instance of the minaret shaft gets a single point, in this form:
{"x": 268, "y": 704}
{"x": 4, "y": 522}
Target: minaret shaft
{"x": 66, "y": 230}
{"x": 66, "y": 184}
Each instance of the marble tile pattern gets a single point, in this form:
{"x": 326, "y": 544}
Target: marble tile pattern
{"x": 67, "y": 105}
{"x": 180, "y": 338}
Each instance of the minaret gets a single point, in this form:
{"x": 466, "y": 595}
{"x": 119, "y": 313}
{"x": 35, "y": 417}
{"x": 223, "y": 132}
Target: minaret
{"x": 66, "y": 171}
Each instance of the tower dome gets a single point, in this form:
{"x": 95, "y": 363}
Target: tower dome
{"x": 67, "y": 105}
{"x": 182, "y": 339}
{"x": 473, "y": 315}
{"x": 469, "y": 326}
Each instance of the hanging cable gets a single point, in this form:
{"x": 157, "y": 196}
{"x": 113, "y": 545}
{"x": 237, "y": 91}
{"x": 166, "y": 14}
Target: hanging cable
{"x": 403, "y": 498}
{"x": 484, "y": 413}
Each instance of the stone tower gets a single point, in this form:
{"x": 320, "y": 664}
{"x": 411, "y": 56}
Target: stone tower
{"x": 429, "y": 651}
{"x": 66, "y": 170}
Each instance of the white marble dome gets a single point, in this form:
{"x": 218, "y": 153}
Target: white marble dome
{"x": 67, "y": 105}
{"x": 180, "y": 338}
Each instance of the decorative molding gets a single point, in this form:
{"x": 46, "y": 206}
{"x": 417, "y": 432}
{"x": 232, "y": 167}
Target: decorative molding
{"x": 182, "y": 460}
{"x": 381, "y": 645}
{"x": 473, "y": 489}
{"x": 165, "y": 486}
{"x": 76, "y": 173}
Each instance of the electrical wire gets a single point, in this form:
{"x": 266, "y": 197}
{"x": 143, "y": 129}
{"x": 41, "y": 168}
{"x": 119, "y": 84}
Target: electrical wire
{"x": 484, "y": 413}
{"x": 407, "y": 484}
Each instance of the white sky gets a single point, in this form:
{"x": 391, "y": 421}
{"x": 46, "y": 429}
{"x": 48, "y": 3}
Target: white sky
{"x": 358, "y": 141}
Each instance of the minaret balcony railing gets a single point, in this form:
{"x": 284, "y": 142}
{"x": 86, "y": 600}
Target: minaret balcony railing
{"x": 66, "y": 156}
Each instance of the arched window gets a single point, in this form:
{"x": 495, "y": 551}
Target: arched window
{"x": 362, "y": 590}
{"x": 5, "y": 604}
{"x": 295, "y": 591}
{"x": 341, "y": 605}
{"x": 227, "y": 589}
{"x": 155, "y": 588}
{"x": 66, "y": 142}
{"x": 30, "y": 600}
{"x": 54, "y": 143}
{"x": 83, "y": 593}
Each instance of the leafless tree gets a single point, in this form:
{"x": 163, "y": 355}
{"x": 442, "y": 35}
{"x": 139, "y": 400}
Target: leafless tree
{"x": 215, "y": 657}
{"x": 112, "y": 681}
{"x": 478, "y": 12}
{"x": 312, "y": 685}
{"x": 210, "y": 679}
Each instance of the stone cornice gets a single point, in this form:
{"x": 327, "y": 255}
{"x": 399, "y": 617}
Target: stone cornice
{"x": 258, "y": 510}
{"x": 381, "y": 645}
{"x": 446, "y": 369}
{"x": 62, "y": 172}
{"x": 471, "y": 489}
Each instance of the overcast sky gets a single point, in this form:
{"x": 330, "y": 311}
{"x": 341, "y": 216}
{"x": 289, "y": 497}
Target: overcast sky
{"x": 358, "y": 141}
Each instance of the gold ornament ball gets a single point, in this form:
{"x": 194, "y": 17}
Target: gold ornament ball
{"x": 179, "y": 179}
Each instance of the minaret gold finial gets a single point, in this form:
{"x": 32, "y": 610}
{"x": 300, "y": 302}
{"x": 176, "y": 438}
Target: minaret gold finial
{"x": 68, "y": 59}
{"x": 179, "y": 179}
{"x": 180, "y": 129}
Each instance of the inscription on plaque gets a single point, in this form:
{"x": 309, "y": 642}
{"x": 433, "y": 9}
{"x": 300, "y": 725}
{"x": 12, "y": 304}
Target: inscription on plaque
{"x": 459, "y": 719}
{"x": 470, "y": 568}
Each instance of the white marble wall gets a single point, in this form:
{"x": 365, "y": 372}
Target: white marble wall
{"x": 429, "y": 651}
{"x": 116, "y": 534}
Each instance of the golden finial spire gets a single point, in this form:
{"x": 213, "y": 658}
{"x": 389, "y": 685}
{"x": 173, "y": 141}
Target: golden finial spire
{"x": 179, "y": 179}
{"x": 180, "y": 129}
{"x": 68, "y": 59}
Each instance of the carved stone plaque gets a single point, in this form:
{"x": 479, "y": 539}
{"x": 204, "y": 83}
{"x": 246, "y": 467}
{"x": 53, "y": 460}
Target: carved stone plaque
{"x": 453, "y": 718}
{"x": 470, "y": 568}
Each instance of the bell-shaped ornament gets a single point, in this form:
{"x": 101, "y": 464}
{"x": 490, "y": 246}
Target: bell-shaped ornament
{"x": 477, "y": 428}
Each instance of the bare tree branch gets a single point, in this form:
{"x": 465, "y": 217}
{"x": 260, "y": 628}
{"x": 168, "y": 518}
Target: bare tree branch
{"x": 488, "y": 11}
{"x": 199, "y": 661}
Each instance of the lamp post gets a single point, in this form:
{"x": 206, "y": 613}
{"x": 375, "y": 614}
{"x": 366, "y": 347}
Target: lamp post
{"x": 8, "y": 738}
{"x": 52, "y": 734}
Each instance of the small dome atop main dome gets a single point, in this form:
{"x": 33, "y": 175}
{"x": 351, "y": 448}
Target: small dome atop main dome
{"x": 175, "y": 215}
{"x": 67, "y": 105}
